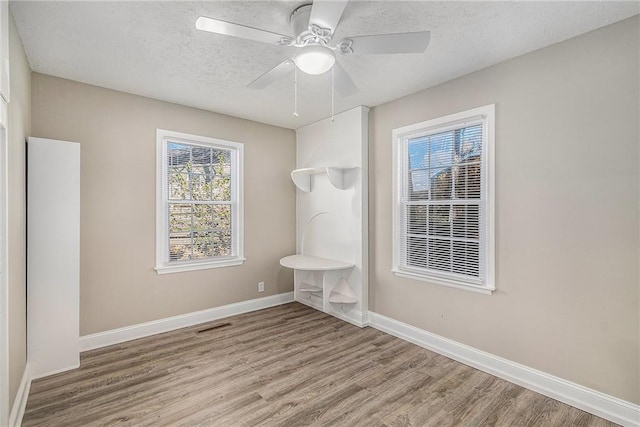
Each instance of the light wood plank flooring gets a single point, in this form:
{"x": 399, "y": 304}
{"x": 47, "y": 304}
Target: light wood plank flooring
{"x": 284, "y": 366}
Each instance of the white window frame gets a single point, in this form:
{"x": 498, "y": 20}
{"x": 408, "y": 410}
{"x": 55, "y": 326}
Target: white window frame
{"x": 163, "y": 265}
{"x": 486, "y": 115}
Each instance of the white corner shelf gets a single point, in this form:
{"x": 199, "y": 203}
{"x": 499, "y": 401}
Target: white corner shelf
{"x": 313, "y": 263}
{"x": 342, "y": 293}
{"x": 338, "y": 298}
{"x": 340, "y": 178}
{"x": 306, "y": 287}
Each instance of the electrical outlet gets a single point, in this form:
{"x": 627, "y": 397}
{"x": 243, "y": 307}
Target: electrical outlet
{"x": 260, "y": 286}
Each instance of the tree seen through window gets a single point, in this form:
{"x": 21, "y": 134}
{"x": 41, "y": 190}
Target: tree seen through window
{"x": 199, "y": 202}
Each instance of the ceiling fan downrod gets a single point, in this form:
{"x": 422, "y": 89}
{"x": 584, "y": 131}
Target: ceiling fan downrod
{"x": 295, "y": 91}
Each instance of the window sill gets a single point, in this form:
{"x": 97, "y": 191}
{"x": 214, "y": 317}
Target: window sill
{"x": 444, "y": 282}
{"x": 179, "y": 268}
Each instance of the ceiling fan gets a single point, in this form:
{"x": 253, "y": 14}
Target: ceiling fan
{"x": 314, "y": 25}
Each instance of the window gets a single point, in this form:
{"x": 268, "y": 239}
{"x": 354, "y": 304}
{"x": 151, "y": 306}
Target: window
{"x": 443, "y": 200}
{"x": 199, "y": 202}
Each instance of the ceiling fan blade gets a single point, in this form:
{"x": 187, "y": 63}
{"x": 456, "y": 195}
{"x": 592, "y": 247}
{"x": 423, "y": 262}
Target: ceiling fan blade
{"x": 385, "y": 43}
{"x": 327, "y": 13}
{"x": 277, "y": 72}
{"x": 343, "y": 83}
{"x": 236, "y": 30}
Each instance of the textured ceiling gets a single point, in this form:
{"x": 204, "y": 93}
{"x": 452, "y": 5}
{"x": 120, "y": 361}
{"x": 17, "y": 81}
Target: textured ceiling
{"x": 152, "y": 48}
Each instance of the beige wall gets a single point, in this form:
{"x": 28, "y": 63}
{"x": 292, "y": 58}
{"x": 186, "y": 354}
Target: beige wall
{"x": 567, "y": 204}
{"x": 117, "y": 133}
{"x": 19, "y": 124}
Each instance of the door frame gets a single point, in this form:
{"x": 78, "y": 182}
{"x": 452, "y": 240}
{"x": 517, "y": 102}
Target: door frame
{"x": 5, "y": 408}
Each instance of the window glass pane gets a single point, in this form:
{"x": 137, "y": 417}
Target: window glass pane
{"x": 202, "y": 217}
{"x": 439, "y": 224}
{"x": 417, "y": 252}
{"x": 418, "y": 158}
{"x": 418, "y": 151}
{"x": 441, "y": 183}
{"x": 200, "y": 186}
{"x": 221, "y": 243}
{"x": 221, "y": 217}
{"x": 202, "y": 169}
{"x": 466, "y": 221}
{"x": 469, "y": 146}
{"x": 178, "y": 154}
{"x": 468, "y": 156}
{"x": 179, "y": 246}
{"x": 221, "y": 162}
{"x": 466, "y": 258}
{"x": 201, "y": 160}
{"x": 221, "y": 188}
{"x": 417, "y": 220}
{"x": 202, "y": 245}
{"x": 439, "y": 254}
{"x": 419, "y": 184}
{"x": 179, "y": 217}
{"x": 441, "y": 150}
{"x": 467, "y": 181}
{"x": 178, "y": 185}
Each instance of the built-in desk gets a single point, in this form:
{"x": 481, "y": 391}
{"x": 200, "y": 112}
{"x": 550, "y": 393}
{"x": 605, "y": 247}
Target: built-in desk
{"x": 313, "y": 286}
{"x": 313, "y": 263}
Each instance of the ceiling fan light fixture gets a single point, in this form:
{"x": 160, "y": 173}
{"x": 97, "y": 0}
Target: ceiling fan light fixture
{"x": 315, "y": 59}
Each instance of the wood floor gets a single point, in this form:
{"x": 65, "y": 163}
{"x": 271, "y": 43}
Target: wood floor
{"x": 284, "y": 366}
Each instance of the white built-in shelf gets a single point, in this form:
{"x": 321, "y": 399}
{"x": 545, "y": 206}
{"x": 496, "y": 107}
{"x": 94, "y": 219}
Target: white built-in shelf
{"x": 343, "y": 293}
{"x": 313, "y": 263}
{"x": 338, "y": 298}
{"x": 341, "y": 178}
{"x": 306, "y": 287}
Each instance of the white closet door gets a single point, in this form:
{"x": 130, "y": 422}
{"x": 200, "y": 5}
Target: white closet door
{"x": 53, "y": 256}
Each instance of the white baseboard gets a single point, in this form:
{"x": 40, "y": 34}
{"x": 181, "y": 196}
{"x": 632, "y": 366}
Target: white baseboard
{"x": 35, "y": 375}
{"x": 310, "y": 303}
{"x": 20, "y": 402}
{"x": 354, "y": 317}
{"x": 592, "y": 401}
{"x": 128, "y": 333}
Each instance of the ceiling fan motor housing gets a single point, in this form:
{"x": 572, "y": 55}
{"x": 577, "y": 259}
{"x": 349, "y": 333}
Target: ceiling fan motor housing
{"x": 308, "y": 34}
{"x": 299, "y": 19}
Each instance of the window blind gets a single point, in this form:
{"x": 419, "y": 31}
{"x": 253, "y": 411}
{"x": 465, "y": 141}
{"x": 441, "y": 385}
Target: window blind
{"x": 442, "y": 203}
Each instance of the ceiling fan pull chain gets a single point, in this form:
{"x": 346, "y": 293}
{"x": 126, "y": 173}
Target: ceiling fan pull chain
{"x": 333, "y": 94}
{"x": 295, "y": 90}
